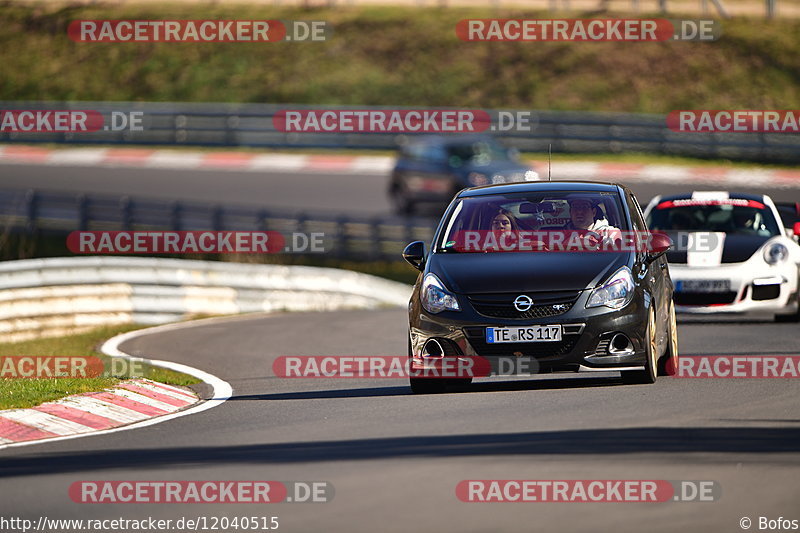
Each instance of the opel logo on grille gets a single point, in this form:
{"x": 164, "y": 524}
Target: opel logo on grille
{"x": 523, "y": 303}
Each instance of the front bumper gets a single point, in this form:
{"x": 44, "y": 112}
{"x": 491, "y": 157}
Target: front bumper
{"x": 586, "y": 335}
{"x": 754, "y": 287}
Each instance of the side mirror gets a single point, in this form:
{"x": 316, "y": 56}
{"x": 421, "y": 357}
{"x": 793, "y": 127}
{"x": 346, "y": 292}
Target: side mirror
{"x": 660, "y": 244}
{"x": 414, "y": 253}
{"x": 796, "y": 228}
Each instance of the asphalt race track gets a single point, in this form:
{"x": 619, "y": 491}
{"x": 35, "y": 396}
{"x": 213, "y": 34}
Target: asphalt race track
{"x": 395, "y": 459}
{"x": 355, "y": 194}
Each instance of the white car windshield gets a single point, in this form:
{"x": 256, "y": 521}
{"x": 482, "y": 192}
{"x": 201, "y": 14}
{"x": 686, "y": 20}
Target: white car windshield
{"x": 733, "y": 216}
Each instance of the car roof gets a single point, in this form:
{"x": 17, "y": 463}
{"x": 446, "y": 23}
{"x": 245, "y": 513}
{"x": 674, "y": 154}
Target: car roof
{"x": 449, "y": 140}
{"x": 540, "y": 186}
{"x": 733, "y": 195}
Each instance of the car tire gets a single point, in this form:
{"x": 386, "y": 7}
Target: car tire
{"x": 794, "y": 317}
{"x": 427, "y": 385}
{"x": 668, "y": 365}
{"x": 400, "y": 202}
{"x": 649, "y": 373}
{"x": 459, "y": 383}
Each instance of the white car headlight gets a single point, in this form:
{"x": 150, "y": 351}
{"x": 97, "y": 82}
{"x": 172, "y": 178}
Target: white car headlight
{"x": 776, "y": 253}
{"x": 435, "y": 298}
{"x": 531, "y": 175}
{"x": 615, "y": 293}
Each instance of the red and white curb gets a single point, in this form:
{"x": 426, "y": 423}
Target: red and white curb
{"x": 130, "y": 401}
{"x": 179, "y": 159}
{"x": 131, "y": 405}
{"x": 726, "y": 177}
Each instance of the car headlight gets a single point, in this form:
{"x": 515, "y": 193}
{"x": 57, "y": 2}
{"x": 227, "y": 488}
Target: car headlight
{"x": 776, "y": 253}
{"x": 531, "y": 175}
{"x": 435, "y": 298}
{"x": 615, "y": 293}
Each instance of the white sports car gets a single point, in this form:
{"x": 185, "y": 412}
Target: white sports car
{"x": 734, "y": 253}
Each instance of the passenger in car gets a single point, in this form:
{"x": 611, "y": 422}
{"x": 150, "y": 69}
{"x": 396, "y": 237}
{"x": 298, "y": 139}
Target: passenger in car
{"x": 504, "y": 222}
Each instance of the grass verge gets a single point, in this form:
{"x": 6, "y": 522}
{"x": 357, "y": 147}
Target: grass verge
{"x": 21, "y": 393}
{"x": 394, "y": 56}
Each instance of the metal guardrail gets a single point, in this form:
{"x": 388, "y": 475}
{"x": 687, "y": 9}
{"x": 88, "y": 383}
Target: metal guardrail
{"x": 47, "y": 297}
{"x": 251, "y": 125}
{"x": 345, "y": 237}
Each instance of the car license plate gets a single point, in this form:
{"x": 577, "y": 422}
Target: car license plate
{"x": 523, "y": 334}
{"x": 703, "y": 285}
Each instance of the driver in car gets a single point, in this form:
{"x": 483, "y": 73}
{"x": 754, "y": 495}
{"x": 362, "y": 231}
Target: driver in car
{"x": 585, "y": 214}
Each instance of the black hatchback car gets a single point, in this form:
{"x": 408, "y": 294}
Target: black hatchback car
{"x": 558, "y": 308}
{"x": 431, "y": 168}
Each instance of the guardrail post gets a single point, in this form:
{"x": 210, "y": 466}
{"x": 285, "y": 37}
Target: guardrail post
{"x": 83, "y": 212}
{"x": 409, "y": 230}
{"x": 376, "y": 250}
{"x": 216, "y": 219}
{"x": 179, "y": 125}
{"x": 126, "y": 208}
{"x": 300, "y": 227}
{"x": 32, "y": 209}
{"x": 175, "y": 216}
{"x": 261, "y": 220}
{"x": 231, "y": 130}
{"x": 342, "y": 242}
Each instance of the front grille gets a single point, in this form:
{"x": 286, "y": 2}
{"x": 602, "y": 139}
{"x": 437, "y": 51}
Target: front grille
{"x": 766, "y": 292}
{"x": 508, "y": 311}
{"x": 540, "y": 350}
{"x": 546, "y": 304}
{"x": 704, "y": 298}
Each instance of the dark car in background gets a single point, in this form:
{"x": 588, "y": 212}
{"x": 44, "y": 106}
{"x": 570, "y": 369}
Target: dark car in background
{"x": 563, "y": 310}
{"x": 433, "y": 168}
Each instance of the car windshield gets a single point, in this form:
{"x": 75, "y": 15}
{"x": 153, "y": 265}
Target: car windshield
{"x": 532, "y": 211}
{"x": 732, "y": 215}
{"x": 478, "y": 153}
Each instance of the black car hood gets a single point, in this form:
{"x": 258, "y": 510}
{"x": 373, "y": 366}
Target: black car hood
{"x": 482, "y": 273}
{"x": 736, "y": 249}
